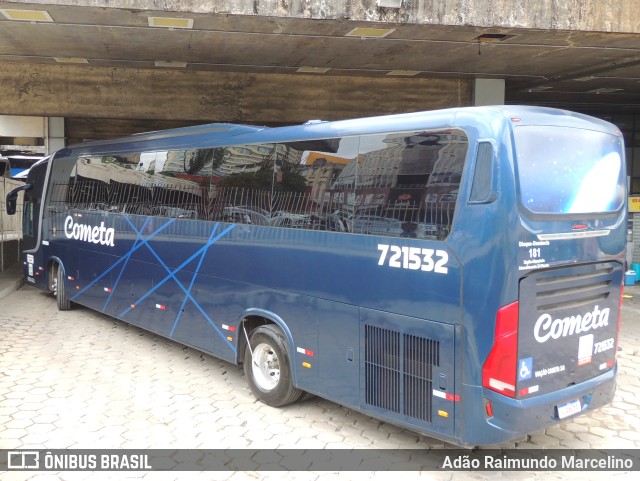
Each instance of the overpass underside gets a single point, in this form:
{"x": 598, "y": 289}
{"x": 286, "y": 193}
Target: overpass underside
{"x": 150, "y": 64}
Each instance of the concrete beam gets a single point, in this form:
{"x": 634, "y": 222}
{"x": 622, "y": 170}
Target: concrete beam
{"x": 73, "y": 91}
{"x": 586, "y": 15}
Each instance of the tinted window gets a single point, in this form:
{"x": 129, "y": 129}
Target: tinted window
{"x": 286, "y": 184}
{"x": 407, "y": 183}
{"x": 482, "y": 186}
{"x": 166, "y": 183}
{"x": 403, "y": 184}
{"x": 569, "y": 171}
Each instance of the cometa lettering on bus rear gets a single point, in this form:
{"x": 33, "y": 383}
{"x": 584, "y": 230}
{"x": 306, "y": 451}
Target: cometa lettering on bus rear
{"x": 546, "y": 327}
{"x": 87, "y": 233}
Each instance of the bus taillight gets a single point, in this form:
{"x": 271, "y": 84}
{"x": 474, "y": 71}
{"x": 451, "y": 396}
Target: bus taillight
{"x": 499, "y": 370}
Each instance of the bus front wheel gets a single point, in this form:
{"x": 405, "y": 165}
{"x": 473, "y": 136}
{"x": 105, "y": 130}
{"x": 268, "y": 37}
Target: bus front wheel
{"x": 64, "y": 304}
{"x": 267, "y": 365}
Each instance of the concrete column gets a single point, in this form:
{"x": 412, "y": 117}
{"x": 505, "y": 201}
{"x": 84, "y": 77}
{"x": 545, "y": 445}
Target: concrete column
{"x": 54, "y": 138}
{"x": 488, "y": 91}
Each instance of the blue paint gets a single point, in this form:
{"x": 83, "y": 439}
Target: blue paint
{"x": 396, "y": 321}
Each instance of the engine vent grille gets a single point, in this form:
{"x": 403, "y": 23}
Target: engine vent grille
{"x": 399, "y": 372}
{"x": 581, "y": 287}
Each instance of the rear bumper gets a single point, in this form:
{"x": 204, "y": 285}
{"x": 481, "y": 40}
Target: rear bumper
{"x": 514, "y": 418}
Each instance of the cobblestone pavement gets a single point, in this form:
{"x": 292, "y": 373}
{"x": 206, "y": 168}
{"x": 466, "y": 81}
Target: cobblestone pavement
{"x": 79, "y": 379}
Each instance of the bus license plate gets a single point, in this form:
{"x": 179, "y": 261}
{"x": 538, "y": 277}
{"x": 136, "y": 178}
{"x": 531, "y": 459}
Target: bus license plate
{"x": 569, "y": 409}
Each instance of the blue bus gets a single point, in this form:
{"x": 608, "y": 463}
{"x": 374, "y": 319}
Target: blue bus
{"x": 16, "y": 165}
{"x": 455, "y": 272}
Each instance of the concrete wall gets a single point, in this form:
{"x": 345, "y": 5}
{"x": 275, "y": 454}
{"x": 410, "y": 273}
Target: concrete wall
{"x": 587, "y": 15}
{"x": 70, "y": 91}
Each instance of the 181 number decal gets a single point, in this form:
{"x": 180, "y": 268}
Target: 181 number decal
{"x": 414, "y": 258}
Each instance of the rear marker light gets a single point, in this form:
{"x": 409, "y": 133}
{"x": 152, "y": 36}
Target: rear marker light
{"x": 489, "y": 409}
{"x": 107, "y": 289}
{"x": 161, "y": 307}
{"x": 228, "y": 328}
{"x": 499, "y": 370}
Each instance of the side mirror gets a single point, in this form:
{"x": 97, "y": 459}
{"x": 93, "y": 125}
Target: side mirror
{"x": 12, "y": 198}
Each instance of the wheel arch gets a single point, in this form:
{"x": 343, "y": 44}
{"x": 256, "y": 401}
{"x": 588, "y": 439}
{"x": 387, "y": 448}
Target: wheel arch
{"x": 53, "y": 264}
{"x": 253, "y": 318}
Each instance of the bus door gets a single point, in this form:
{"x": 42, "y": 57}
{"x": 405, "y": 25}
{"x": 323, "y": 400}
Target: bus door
{"x": 32, "y": 203}
{"x": 33, "y": 192}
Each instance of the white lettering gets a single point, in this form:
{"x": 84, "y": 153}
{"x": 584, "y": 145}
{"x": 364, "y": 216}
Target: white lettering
{"x": 546, "y": 327}
{"x": 461, "y": 462}
{"x": 86, "y": 233}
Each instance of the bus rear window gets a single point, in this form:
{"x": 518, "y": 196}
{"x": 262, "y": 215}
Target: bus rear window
{"x": 566, "y": 170}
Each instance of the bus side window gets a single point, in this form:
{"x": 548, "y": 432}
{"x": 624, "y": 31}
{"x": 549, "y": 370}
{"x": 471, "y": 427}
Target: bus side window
{"x": 482, "y": 188}
{"x": 27, "y": 219}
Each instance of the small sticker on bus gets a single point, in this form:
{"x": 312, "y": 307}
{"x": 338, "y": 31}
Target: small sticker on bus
{"x": 585, "y": 349}
{"x": 526, "y": 369}
{"x": 446, "y": 395}
{"x": 304, "y": 351}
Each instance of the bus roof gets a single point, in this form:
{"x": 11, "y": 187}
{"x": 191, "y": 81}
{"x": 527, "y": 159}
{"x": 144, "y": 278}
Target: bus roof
{"x": 220, "y": 134}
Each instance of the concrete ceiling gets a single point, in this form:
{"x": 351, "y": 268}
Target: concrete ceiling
{"x": 587, "y": 71}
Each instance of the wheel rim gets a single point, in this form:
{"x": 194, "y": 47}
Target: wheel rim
{"x": 265, "y": 367}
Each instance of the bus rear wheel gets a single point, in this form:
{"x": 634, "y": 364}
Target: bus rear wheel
{"x": 267, "y": 365}
{"x": 64, "y": 304}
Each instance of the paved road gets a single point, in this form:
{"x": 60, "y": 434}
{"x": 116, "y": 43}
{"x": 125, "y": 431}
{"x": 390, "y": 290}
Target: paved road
{"x": 78, "y": 379}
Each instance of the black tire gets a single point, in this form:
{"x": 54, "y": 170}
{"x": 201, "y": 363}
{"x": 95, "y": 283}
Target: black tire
{"x": 270, "y": 376}
{"x": 64, "y": 304}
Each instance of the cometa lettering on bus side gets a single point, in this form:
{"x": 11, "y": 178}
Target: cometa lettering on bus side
{"x": 546, "y": 327}
{"x": 88, "y": 233}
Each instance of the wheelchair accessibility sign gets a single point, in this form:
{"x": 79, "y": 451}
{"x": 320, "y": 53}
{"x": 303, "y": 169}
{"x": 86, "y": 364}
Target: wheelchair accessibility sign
{"x": 525, "y": 368}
